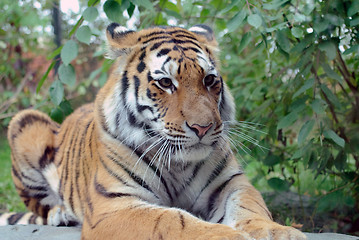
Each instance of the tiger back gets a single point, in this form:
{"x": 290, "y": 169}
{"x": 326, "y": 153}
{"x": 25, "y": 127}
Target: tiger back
{"x": 150, "y": 159}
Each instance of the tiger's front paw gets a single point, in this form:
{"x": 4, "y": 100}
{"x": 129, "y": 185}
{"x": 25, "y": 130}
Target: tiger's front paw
{"x": 58, "y": 216}
{"x": 221, "y": 232}
{"x": 263, "y": 229}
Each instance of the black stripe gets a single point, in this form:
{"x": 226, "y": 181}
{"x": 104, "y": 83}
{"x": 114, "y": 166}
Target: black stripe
{"x": 22, "y": 177}
{"x": 196, "y": 169}
{"x": 215, "y": 194}
{"x": 39, "y": 195}
{"x": 175, "y": 41}
{"x": 134, "y": 177}
{"x": 112, "y": 173}
{"x": 103, "y": 122}
{"x": 221, "y": 219}
{"x": 47, "y": 157}
{"x": 155, "y": 170}
{"x": 217, "y": 171}
{"x": 125, "y": 86}
{"x": 164, "y": 63}
{"x": 30, "y": 119}
{"x": 78, "y": 159}
{"x": 70, "y": 167}
{"x": 15, "y": 218}
{"x": 168, "y": 32}
{"x": 223, "y": 101}
{"x": 143, "y": 54}
{"x": 102, "y": 190}
{"x": 141, "y": 67}
{"x": 149, "y": 77}
{"x": 157, "y": 38}
{"x": 32, "y": 219}
{"x": 193, "y": 49}
{"x": 140, "y": 107}
{"x": 163, "y": 51}
{"x": 186, "y": 36}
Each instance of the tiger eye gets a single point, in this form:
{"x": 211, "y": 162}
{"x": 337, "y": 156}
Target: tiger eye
{"x": 165, "y": 82}
{"x": 209, "y": 80}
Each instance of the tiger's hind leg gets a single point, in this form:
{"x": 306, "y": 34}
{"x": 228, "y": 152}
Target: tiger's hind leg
{"x": 31, "y": 136}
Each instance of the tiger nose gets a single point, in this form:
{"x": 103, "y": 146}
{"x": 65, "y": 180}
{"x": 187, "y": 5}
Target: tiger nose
{"x": 200, "y": 130}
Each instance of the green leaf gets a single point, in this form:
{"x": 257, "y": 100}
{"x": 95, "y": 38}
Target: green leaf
{"x": 56, "y": 92}
{"x": 271, "y": 160}
{"x": 333, "y": 136}
{"x": 144, "y": 3}
{"x": 42, "y": 80}
{"x": 77, "y": 25}
{"x": 283, "y": 40}
{"x": 329, "y": 48}
{"x": 93, "y": 2}
{"x": 228, "y": 7}
{"x": 352, "y": 49}
{"x": 131, "y": 9}
{"x": 90, "y": 14}
{"x": 246, "y": 39}
{"x": 331, "y": 73}
{"x": 307, "y": 85}
{"x": 66, "y": 107}
{"x": 274, "y": 4}
{"x": 297, "y": 32}
{"x": 305, "y": 130}
{"x": 255, "y": 20}
{"x": 354, "y": 22}
{"x": 102, "y": 79}
{"x": 353, "y": 9}
{"x": 332, "y": 98}
{"x": 57, "y": 115}
{"x": 308, "y": 39}
{"x": 69, "y": 52}
{"x": 112, "y": 10}
{"x": 340, "y": 161}
{"x": 321, "y": 25}
{"x": 318, "y": 106}
{"x": 83, "y": 34}
{"x": 287, "y": 120}
{"x": 278, "y": 184}
{"x": 67, "y": 74}
{"x": 236, "y": 21}
{"x": 54, "y": 53}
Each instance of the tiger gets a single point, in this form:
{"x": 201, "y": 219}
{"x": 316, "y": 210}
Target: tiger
{"x": 150, "y": 158}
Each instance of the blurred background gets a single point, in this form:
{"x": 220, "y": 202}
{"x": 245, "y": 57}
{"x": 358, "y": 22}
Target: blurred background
{"x": 292, "y": 66}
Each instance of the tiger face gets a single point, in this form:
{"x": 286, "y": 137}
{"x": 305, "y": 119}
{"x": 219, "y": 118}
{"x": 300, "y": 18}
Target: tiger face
{"x": 166, "y": 91}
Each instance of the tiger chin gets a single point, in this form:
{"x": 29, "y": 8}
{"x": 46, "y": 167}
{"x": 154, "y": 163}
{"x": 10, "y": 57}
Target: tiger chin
{"x": 150, "y": 158}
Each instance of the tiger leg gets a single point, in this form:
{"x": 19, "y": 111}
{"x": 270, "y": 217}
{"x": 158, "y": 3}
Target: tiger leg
{"x": 129, "y": 218}
{"x": 31, "y": 135}
{"x": 242, "y": 207}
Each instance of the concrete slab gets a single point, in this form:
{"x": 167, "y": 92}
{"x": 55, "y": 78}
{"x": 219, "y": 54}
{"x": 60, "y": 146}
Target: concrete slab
{"x": 36, "y": 232}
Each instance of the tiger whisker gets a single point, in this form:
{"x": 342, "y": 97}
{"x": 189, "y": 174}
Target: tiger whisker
{"x": 153, "y": 145}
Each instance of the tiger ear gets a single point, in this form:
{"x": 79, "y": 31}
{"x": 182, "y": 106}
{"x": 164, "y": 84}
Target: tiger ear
{"x": 205, "y": 34}
{"x": 120, "y": 40}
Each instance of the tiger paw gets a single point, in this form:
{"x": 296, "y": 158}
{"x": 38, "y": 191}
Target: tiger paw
{"x": 222, "y": 232}
{"x": 57, "y": 216}
{"x": 263, "y": 229}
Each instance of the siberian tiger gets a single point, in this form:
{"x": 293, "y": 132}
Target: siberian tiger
{"x": 150, "y": 159}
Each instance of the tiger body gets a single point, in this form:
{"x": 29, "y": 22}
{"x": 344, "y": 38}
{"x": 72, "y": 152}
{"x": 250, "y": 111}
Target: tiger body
{"x": 150, "y": 159}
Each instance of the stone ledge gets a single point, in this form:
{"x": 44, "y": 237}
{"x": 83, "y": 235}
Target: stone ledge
{"x": 36, "y": 232}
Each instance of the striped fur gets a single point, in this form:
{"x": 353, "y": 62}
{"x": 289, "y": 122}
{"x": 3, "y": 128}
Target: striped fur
{"x": 150, "y": 158}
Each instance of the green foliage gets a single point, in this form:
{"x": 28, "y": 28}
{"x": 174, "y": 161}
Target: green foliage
{"x": 22, "y": 36}
{"x": 9, "y": 198}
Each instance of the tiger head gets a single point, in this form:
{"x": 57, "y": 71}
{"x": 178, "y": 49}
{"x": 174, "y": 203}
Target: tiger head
{"x": 165, "y": 91}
